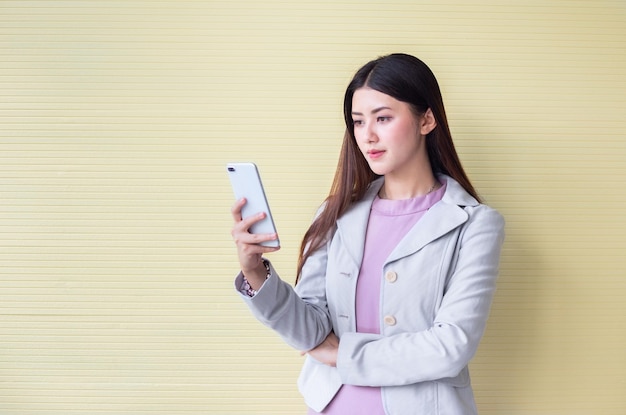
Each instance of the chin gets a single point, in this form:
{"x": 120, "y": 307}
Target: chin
{"x": 379, "y": 170}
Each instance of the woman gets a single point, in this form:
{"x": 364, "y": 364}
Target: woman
{"x": 397, "y": 272}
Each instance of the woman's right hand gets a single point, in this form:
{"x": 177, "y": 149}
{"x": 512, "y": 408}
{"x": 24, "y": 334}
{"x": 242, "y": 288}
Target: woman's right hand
{"x": 249, "y": 250}
{"x": 326, "y": 352}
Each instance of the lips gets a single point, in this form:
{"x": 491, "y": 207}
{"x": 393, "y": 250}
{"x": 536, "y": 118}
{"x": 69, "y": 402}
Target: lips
{"x": 374, "y": 154}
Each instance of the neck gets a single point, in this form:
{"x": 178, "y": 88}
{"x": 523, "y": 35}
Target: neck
{"x": 397, "y": 191}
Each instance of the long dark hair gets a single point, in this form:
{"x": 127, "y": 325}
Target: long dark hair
{"x": 407, "y": 79}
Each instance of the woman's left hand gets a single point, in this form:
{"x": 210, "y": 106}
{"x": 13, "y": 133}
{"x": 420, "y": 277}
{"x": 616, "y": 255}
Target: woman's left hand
{"x": 326, "y": 352}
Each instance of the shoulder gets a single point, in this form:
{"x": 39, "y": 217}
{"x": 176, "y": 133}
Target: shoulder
{"x": 480, "y": 217}
{"x": 485, "y": 216}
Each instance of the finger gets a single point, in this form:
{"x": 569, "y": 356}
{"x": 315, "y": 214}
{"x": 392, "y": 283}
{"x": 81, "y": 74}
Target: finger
{"x": 236, "y": 209}
{"x": 245, "y": 239}
{"x": 259, "y": 238}
{"x": 242, "y": 228}
{"x": 269, "y": 249}
{"x": 252, "y": 219}
{"x": 250, "y": 246}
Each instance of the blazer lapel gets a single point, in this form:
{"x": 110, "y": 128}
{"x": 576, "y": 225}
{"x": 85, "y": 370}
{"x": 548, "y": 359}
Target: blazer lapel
{"x": 442, "y": 218}
{"x": 352, "y": 225}
{"x": 438, "y": 221}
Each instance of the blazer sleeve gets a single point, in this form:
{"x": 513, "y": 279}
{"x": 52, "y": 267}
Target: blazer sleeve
{"x": 444, "y": 350}
{"x": 300, "y": 316}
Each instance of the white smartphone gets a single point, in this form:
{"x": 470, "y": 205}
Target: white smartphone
{"x": 246, "y": 182}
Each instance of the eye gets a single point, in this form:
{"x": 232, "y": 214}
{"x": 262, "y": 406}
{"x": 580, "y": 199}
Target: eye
{"x": 357, "y": 123}
{"x": 383, "y": 119}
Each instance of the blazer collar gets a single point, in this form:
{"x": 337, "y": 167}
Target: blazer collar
{"x": 439, "y": 220}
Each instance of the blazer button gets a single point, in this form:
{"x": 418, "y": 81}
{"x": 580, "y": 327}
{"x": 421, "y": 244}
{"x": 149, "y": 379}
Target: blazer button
{"x": 390, "y": 320}
{"x": 391, "y": 276}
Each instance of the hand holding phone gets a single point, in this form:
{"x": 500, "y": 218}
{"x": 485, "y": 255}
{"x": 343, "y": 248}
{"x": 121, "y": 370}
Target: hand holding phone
{"x": 246, "y": 183}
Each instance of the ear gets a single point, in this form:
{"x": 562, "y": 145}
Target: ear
{"x": 427, "y": 122}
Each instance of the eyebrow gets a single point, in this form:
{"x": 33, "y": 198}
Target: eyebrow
{"x": 374, "y": 111}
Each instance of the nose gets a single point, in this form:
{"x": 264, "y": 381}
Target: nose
{"x": 370, "y": 134}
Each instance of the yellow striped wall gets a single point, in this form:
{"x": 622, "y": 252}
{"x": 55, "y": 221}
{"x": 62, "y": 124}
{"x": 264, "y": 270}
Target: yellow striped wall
{"x": 116, "y": 120}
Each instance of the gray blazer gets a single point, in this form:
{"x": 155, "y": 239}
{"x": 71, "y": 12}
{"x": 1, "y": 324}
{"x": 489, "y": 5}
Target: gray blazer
{"x": 437, "y": 288}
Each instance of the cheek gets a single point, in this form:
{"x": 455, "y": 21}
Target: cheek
{"x": 358, "y": 138}
{"x": 405, "y": 136}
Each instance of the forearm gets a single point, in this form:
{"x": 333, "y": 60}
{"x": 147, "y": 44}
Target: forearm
{"x": 302, "y": 325}
{"x": 403, "y": 359}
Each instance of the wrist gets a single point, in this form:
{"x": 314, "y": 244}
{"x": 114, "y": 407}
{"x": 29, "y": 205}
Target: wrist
{"x": 254, "y": 279}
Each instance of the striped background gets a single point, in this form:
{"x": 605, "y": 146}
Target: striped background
{"x": 117, "y": 118}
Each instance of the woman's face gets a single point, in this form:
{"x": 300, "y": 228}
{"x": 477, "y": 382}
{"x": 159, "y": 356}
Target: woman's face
{"x": 388, "y": 133}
